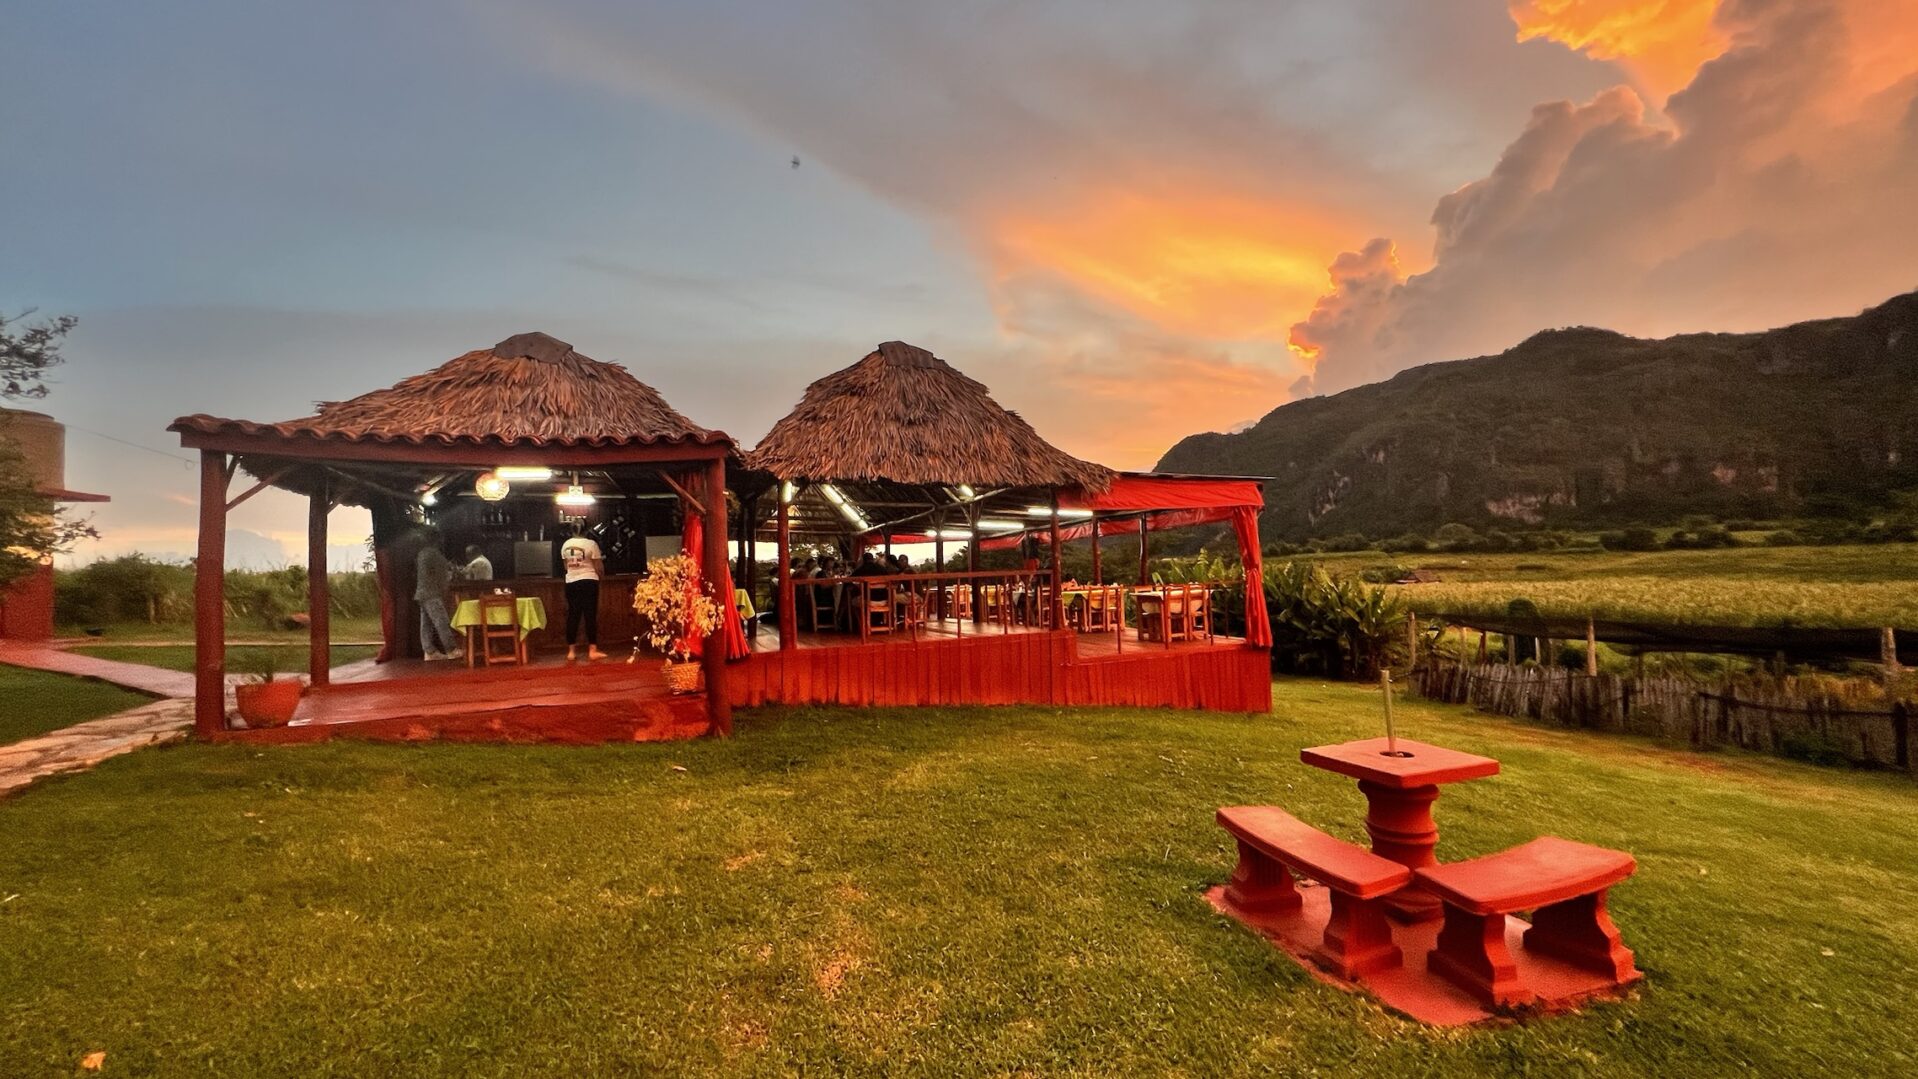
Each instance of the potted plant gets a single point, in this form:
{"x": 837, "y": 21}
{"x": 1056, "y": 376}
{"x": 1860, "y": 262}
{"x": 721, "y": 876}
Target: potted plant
{"x": 677, "y": 612}
{"x": 263, "y": 701}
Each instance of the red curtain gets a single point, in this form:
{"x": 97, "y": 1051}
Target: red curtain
{"x": 692, "y": 544}
{"x": 1258, "y": 625}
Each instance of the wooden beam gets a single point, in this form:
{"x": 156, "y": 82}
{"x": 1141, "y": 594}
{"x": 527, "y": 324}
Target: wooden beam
{"x": 319, "y": 635}
{"x": 719, "y": 707}
{"x": 477, "y": 457}
{"x": 693, "y": 504}
{"x": 232, "y": 503}
{"x": 209, "y": 598}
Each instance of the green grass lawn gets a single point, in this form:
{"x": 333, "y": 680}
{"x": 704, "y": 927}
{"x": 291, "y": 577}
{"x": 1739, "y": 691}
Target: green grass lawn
{"x": 35, "y": 702}
{"x": 1844, "y": 587}
{"x": 900, "y": 892}
{"x": 240, "y": 658}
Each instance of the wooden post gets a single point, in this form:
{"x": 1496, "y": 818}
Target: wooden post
{"x": 1591, "y": 648}
{"x": 749, "y": 546}
{"x": 1484, "y": 653}
{"x": 1411, "y": 641}
{"x": 972, "y": 563}
{"x": 319, "y": 637}
{"x": 788, "y": 611}
{"x": 1888, "y": 653}
{"x": 1144, "y": 577}
{"x": 209, "y": 599}
{"x": 1098, "y": 577}
{"x": 1057, "y": 602}
{"x": 719, "y": 706}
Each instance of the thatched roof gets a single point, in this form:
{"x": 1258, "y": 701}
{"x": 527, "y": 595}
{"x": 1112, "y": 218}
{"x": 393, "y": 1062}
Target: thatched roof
{"x": 529, "y": 388}
{"x": 902, "y": 415}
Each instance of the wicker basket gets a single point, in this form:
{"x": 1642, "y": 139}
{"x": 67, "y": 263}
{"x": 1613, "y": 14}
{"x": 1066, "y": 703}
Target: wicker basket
{"x": 684, "y": 677}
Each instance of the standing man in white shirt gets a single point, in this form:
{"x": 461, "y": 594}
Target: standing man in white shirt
{"x": 584, "y": 567}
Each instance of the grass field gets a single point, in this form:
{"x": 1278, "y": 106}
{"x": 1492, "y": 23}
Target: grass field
{"x": 341, "y": 629}
{"x": 931, "y": 892}
{"x": 240, "y": 658}
{"x": 35, "y": 702}
{"x": 1864, "y": 586}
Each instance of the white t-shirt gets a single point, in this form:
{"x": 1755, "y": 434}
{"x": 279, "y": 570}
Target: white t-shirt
{"x": 579, "y": 554}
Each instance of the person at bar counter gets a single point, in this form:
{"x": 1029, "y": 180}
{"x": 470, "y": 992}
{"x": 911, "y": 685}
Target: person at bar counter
{"x": 432, "y": 576}
{"x": 584, "y": 567}
{"x": 478, "y": 567}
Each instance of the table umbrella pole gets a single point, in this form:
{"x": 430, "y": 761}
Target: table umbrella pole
{"x": 1385, "y": 684}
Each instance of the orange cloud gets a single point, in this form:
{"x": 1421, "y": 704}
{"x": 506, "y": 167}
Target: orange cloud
{"x": 1191, "y": 262}
{"x": 1662, "y": 43}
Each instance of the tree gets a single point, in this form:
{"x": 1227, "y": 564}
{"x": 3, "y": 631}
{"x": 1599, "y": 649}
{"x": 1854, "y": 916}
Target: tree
{"x": 28, "y": 352}
{"x": 31, "y": 528}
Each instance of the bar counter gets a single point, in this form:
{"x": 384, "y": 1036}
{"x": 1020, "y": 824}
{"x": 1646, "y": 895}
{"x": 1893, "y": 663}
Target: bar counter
{"x": 617, "y": 623}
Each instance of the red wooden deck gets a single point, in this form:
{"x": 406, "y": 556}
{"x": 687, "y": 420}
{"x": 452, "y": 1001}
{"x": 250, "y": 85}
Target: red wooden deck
{"x": 1020, "y": 666}
{"x": 550, "y": 701}
{"x": 616, "y": 701}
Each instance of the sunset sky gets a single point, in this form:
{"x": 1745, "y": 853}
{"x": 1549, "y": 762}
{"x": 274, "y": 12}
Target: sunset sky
{"x": 1132, "y": 220}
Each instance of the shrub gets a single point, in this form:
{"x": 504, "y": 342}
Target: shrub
{"x": 1784, "y": 537}
{"x": 1635, "y": 538}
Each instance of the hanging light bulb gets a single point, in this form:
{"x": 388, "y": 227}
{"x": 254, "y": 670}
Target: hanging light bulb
{"x": 491, "y": 486}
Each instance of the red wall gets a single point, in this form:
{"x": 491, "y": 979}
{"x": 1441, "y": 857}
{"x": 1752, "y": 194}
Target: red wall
{"x": 26, "y": 607}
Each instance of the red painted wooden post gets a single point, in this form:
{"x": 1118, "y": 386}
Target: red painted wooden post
{"x": 972, "y": 562}
{"x": 209, "y": 599}
{"x": 1097, "y": 577}
{"x": 1057, "y": 602}
{"x": 788, "y": 613}
{"x": 319, "y": 635}
{"x": 719, "y": 706}
{"x": 1144, "y": 577}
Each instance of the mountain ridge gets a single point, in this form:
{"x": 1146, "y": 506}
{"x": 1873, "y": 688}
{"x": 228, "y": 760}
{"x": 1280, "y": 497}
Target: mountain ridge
{"x": 1588, "y": 427}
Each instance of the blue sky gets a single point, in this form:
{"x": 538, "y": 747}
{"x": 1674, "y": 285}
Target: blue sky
{"x": 1116, "y": 214}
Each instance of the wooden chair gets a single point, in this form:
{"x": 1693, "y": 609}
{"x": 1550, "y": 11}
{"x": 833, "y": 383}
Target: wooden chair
{"x": 909, "y": 607}
{"x": 961, "y": 607}
{"x": 1095, "y": 609}
{"x": 880, "y": 616}
{"x": 506, "y": 631}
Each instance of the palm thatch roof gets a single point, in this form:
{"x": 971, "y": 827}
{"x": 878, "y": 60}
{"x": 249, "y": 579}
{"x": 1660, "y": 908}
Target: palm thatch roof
{"x": 528, "y": 389}
{"x": 903, "y": 415}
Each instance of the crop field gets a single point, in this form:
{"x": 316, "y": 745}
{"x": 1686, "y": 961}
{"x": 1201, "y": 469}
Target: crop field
{"x": 1743, "y": 586}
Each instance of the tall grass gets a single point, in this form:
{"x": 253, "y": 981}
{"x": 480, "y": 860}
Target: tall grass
{"x": 135, "y": 588}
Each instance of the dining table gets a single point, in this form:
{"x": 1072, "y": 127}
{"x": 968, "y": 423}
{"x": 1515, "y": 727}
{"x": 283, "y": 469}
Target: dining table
{"x": 532, "y": 615}
{"x": 1400, "y": 779}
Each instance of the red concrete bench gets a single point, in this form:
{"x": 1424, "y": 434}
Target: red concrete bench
{"x": 1271, "y": 842}
{"x": 1562, "y": 881}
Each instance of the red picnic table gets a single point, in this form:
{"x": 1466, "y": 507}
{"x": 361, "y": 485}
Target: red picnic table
{"x": 1400, "y": 780}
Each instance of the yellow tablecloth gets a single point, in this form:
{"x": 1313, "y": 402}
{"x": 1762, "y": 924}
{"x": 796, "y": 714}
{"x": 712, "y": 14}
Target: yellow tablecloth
{"x": 532, "y": 615}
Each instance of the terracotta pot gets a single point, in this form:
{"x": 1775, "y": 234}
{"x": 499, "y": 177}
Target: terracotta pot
{"x": 684, "y": 677}
{"x": 268, "y": 704}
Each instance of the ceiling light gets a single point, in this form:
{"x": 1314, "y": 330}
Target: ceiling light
{"x": 574, "y": 495}
{"x": 491, "y": 486}
{"x": 535, "y": 473}
{"x": 1046, "y": 511}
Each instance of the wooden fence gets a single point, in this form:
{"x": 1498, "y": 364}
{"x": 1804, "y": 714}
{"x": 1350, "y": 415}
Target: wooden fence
{"x": 1810, "y": 717}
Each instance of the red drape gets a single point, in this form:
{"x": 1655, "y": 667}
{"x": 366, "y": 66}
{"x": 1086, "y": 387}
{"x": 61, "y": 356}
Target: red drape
{"x": 692, "y": 544}
{"x": 1258, "y": 625}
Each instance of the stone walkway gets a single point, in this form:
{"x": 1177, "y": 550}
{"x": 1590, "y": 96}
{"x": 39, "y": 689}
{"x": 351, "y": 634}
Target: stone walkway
{"x": 41, "y": 657}
{"x": 83, "y": 745}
